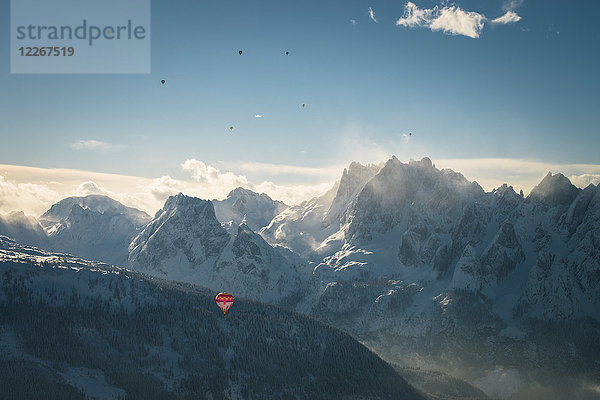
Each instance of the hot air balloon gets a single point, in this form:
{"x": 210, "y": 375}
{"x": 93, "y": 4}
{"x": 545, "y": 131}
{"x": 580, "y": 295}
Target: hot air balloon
{"x": 410, "y": 134}
{"x": 287, "y": 53}
{"x": 231, "y": 128}
{"x": 162, "y": 81}
{"x": 240, "y": 52}
{"x": 224, "y": 301}
{"x": 302, "y": 105}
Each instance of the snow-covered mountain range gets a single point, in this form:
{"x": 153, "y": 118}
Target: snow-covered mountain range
{"x": 428, "y": 268}
{"x": 421, "y": 264}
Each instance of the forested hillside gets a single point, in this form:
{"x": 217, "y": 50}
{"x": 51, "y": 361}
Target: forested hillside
{"x": 75, "y": 327}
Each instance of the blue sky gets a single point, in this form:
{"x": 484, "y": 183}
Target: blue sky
{"x": 524, "y": 90}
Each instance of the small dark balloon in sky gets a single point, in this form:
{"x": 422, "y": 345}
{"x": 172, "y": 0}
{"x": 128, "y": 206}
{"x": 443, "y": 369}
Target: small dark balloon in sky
{"x": 240, "y": 52}
{"x": 287, "y": 53}
{"x": 162, "y": 81}
{"x": 410, "y": 134}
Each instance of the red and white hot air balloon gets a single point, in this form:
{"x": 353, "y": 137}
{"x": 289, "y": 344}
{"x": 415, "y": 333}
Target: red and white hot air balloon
{"x": 224, "y": 301}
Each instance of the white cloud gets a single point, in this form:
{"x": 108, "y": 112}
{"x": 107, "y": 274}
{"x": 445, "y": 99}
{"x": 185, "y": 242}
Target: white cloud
{"x": 371, "y": 14}
{"x": 508, "y": 18}
{"x": 415, "y": 17}
{"x": 214, "y": 183}
{"x": 452, "y": 19}
{"x": 449, "y": 19}
{"x": 165, "y": 186}
{"x": 210, "y": 175}
{"x": 94, "y": 145}
{"x": 257, "y": 115}
{"x": 455, "y": 21}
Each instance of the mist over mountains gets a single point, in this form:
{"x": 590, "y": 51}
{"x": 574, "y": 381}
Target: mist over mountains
{"x": 420, "y": 264}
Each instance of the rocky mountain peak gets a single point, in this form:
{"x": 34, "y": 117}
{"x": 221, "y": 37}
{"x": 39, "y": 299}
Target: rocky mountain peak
{"x": 240, "y": 191}
{"x": 98, "y": 203}
{"x": 245, "y": 205}
{"x": 554, "y": 190}
{"x": 425, "y": 163}
{"x": 186, "y": 228}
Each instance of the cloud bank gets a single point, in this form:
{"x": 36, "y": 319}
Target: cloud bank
{"x": 34, "y": 190}
{"x": 217, "y": 184}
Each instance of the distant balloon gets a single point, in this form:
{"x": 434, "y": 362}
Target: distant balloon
{"x": 162, "y": 81}
{"x": 410, "y": 134}
{"x": 224, "y": 301}
{"x": 231, "y": 128}
{"x": 303, "y": 105}
{"x": 240, "y": 52}
{"x": 287, "y": 53}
